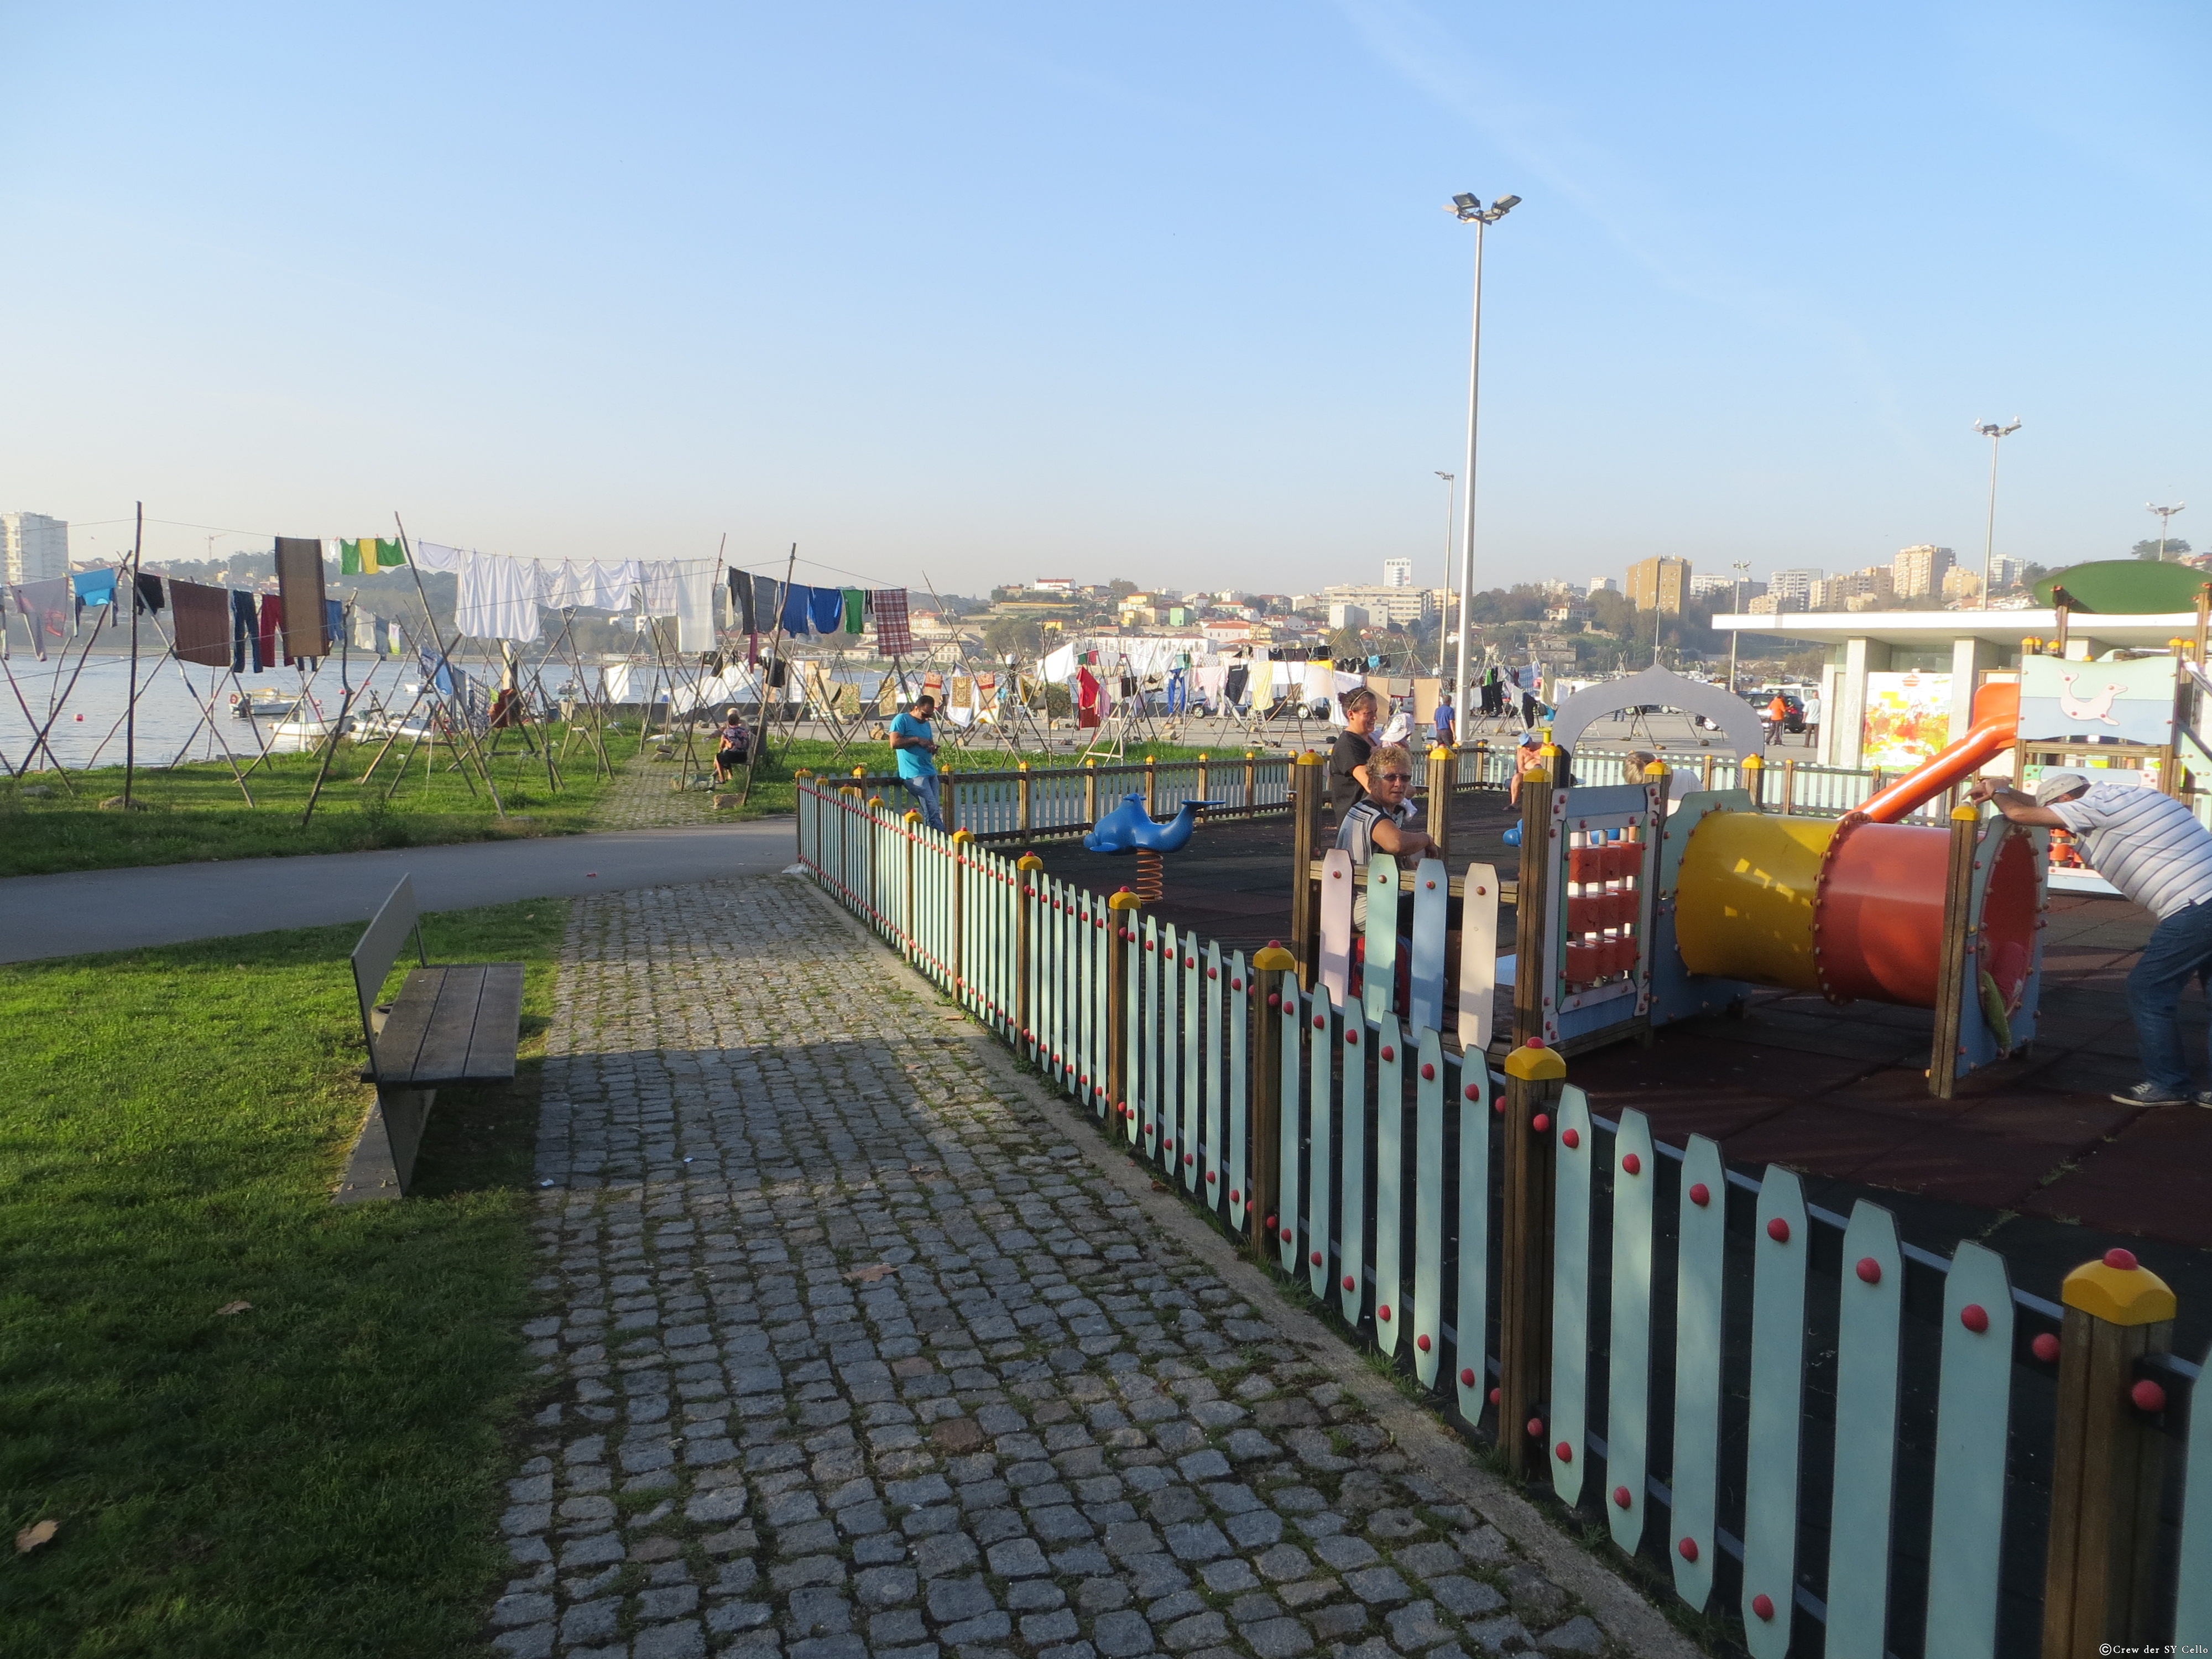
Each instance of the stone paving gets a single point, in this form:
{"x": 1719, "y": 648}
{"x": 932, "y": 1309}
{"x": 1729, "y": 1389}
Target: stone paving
{"x": 856, "y": 1352}
{"x": 643, "y": 795}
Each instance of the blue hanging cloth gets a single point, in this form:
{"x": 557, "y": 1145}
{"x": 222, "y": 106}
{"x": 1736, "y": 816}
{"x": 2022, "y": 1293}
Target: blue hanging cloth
{"x": 798, "y": 604}
{"x": 828, "y": 604}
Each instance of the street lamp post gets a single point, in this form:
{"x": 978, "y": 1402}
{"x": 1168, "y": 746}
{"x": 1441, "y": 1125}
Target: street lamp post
{"x": 1994, "y": 432}
{"x": 1735, "y": 604}
{"x": 2165, "y": 513}
{"x": 1451, "y": 503}
{"x": 1470, "y": 211}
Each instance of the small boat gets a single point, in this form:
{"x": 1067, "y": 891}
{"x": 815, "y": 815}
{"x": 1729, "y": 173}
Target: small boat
{"x": 264, "y": 705}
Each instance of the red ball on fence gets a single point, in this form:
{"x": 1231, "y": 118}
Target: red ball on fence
{"x": 1494, "y": 1396}
{"x": 1388, "y": 1053}
{"x": 1190, "y": 961}
{"x": 1571, "y": 1137}
{"x": 2123, "y": 1260}
{"x": 1274, "y": 999}
{"x": 1188, "y": 1157}
{"x": 1350, "y": 1039}
{"x": 1473, "y": 1091}
{"x": 2147, "y": 1396}
{"x": 1167, "y": 1146}
{"x": 1778, "y": 1230}
{"x": 1467, "y": 1377}
{"x": 1209, "y": 1173}
{"x": 1320, "y": 1020}
{"x": 1383, "y": 1312}
{"x": 1630, "y": 1164}
{"x": 1236, "y": 984}
{"x": 1700, "y": 1194}
{"x": 1974, "y": 1317}
{"x": 1564, "y": 1452}
{"x": 1869, "y": 1270}
{"x": 1542, "y": 1122}
{"x": 1620, "y": 1497}
{"x": 1687, "y": 1549}
{"x": 1497, "y": 1105}
{"x": 1537, "y": 1428}
{"x": 1347, "y": 1281}
{"x": 1270, "y": 1224}
{"x": 1422, "y": 1343}
{"x": 1234, "y": 1197}
{"x": 1214, "y": 973}
{"x": 1316, "y": 1258}
{"x": 2045, "y": 1348}
{"x": 1428, "y": 1072}
{"x": 1763, "y": 1605}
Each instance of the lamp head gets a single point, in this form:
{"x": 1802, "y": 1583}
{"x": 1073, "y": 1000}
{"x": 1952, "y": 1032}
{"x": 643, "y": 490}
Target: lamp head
{"x": 1466, "y": 203}
{"x": 1505, "y": 204}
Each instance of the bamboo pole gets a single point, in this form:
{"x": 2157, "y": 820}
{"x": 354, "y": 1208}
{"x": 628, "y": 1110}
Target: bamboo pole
{"x": 130, "y": 708}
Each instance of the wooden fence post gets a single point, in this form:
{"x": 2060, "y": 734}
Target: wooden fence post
{"x": 962, "y": 842}
{"x": 1441, "y": 764}
{"x": 1022, "y": 788}
{"x": 1203, "y": 792}
{"x": 1957, "y": 968}
{"x": 1152, "y": 787}
{"x": 1751, "y": 773}
{"x": 801, "y": 781}
{"x": 1120, "y": 943}
{"x": 2110, "y": 1460}
{"x": 1789, "y": 787}
{"x": 945, "y": 802}
{"x": 1028, "y": 864}
{"x": 1090, "y": 792}
{"x": 1306, "y": 782}
{"x": 1274, "y": 972}
{"x": 912, "y": 819}
{"x": 1251, "y": 778}
{"x": 1532, "y": 1072}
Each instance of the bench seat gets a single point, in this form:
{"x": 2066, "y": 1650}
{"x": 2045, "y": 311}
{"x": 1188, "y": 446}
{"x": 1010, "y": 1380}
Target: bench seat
{"x": 451, "y": 1026}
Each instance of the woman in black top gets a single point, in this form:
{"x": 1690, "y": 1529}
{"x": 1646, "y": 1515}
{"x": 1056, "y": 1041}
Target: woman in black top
{"x": 1348, "y": 761}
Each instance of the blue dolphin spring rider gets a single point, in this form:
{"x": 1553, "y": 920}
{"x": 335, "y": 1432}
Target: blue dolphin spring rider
{"x": 1130, "y": 829}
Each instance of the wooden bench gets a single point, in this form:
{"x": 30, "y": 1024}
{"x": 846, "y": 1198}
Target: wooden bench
{"x": 447, "y": 1026}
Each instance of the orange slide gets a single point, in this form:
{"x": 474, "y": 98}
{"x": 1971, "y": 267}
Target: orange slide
{"x": 1996, "y": 718}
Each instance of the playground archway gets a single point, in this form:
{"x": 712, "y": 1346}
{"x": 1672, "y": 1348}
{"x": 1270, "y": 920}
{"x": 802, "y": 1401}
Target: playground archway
{"x": 1738, "y": 722}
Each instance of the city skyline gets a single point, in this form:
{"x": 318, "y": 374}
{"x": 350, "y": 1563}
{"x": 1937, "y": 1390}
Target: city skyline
{"x": 639, "y": 283}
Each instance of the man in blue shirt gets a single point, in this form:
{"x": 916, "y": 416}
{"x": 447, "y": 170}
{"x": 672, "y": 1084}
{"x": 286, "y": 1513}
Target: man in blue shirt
{"x": 1442, "y": 719}
{"x": 915, "y": 750}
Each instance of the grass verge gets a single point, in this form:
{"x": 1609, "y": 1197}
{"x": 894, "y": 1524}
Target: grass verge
{"x": 195, "y": 811}
{"x": 321, "y": 1473}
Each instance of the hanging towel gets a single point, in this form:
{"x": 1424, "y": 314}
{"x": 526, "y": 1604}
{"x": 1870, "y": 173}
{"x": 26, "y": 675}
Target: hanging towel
{"x": 244, "y": 634}
{"x": 659, "y": 587}
{"x": 741, "y": 602}
{"x": 854, "y": 605}
{"x": 92, "y": 587}
{"x": 334, "y": 626}
{"x": 367, "y": 555}
{"x": 300, "y": 593}
{"x": 497, "y": 598}
{"x": 695, "y": 605}
{"x": 202, "y": 623}
{"x": 894, "y": 637}
{"x": 149, "y": 592}
{"x": 828, "y": 609}
{"x": 364, "y": 631}
{"x": 268, "y": 624}
{"x": 768, "y": 601}
{"x": 798, "y": 612}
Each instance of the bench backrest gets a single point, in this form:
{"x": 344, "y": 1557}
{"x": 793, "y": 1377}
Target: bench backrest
{"x": 378, "y": 948}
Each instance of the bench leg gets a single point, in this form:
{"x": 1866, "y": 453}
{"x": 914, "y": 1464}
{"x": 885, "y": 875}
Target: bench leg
{"x": 382, "y": 1161}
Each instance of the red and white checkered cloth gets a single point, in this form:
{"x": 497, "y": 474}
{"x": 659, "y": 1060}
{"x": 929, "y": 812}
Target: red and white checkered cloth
{"x": 893, "y": 637}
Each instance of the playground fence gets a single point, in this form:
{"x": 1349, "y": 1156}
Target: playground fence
{"x": 1861, "y": 1447}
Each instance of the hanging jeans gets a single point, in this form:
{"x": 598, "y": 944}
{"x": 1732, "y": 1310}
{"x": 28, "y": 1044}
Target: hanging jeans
{"x": 924, "y": 791}
{"x": 2178, "y": 950}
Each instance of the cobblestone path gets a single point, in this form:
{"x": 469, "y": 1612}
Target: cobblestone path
{"x": 860, "y": 1353}
{"x": 643, "y": 795}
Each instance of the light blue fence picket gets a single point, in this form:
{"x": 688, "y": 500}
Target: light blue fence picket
{"x": 1628, "y": 1361}
{"x": 1701, "y": 1231}
{"x": 1216, "y": 1183}
{"x": 1352, "y": 1206}
{"x": 1470, "y": 1350}
{"x": 1572, "y": 1165}
{"x": 1872, "y": 1300}
{"x": 1297, "y": 1106}
{"x": 1427, "y": 1322}
{"x": 1379, "y": 973}
{"x": 1974, "y": 1421}
{"x": 1780, "y": 1248}
{"x": 1321, "y": 1131}
{"x": 1187, "y": 1147}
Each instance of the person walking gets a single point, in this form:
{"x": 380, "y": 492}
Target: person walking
{"x": 1441, "y": 720}
{"x": 2150, "y": 846}
{"x": 1777, "y": 718}
{"x": 1812, "y": 719}
{"x": 914, "y": 745}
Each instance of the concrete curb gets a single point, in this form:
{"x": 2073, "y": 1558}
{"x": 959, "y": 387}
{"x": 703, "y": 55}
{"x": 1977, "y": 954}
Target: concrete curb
{"x": 1620, "y": 1611}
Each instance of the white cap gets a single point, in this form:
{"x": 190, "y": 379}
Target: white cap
{"x": 2051, "y": 785}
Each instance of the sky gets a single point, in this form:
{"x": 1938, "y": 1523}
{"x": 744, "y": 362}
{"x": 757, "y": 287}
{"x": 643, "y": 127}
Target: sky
{"x": 950, "y": 295}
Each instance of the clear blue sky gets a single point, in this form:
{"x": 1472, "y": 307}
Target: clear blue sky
{"x": 1155, "y": 290}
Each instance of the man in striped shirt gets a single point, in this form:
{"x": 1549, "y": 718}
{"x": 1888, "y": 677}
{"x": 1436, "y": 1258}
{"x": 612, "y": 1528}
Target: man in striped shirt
{"x": 2151, "y": 849}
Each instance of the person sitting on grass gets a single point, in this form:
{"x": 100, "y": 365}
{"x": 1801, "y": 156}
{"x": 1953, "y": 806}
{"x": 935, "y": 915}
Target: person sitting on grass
{"x": 734, "y": 747}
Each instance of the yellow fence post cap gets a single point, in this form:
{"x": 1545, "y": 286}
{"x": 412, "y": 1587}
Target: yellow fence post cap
{"x": 1273, "y": 959}
{"x": 1028, "y": 861}
{"x": 1532, "y": 1062}
{"x": 912, "y": 816}
{"x": 1124, "y": 899}
{"x": 1438, "y": 752}
{"x": 1655, "y": 770}
{"x": 2118, "y": 1290}
{"x": 875, "y": 800}
{"x": 1965, "y": 812}
{"x": 963, "y": 834}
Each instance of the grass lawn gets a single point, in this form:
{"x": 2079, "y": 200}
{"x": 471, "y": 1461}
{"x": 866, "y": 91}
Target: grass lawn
{"x": 195, "y": 811}
{"x": 320, "y": 1473}
{"x": 772, "y": 780}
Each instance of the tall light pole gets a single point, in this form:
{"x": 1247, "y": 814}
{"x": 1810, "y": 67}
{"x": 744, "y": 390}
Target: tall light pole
{"x": 1451, "y": 499}
{"x": 1735, "y": 605}
{"x": 1470, "y": 211}
{"x": 1994, "y": 432}
{"x": 2164, "y": 514}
